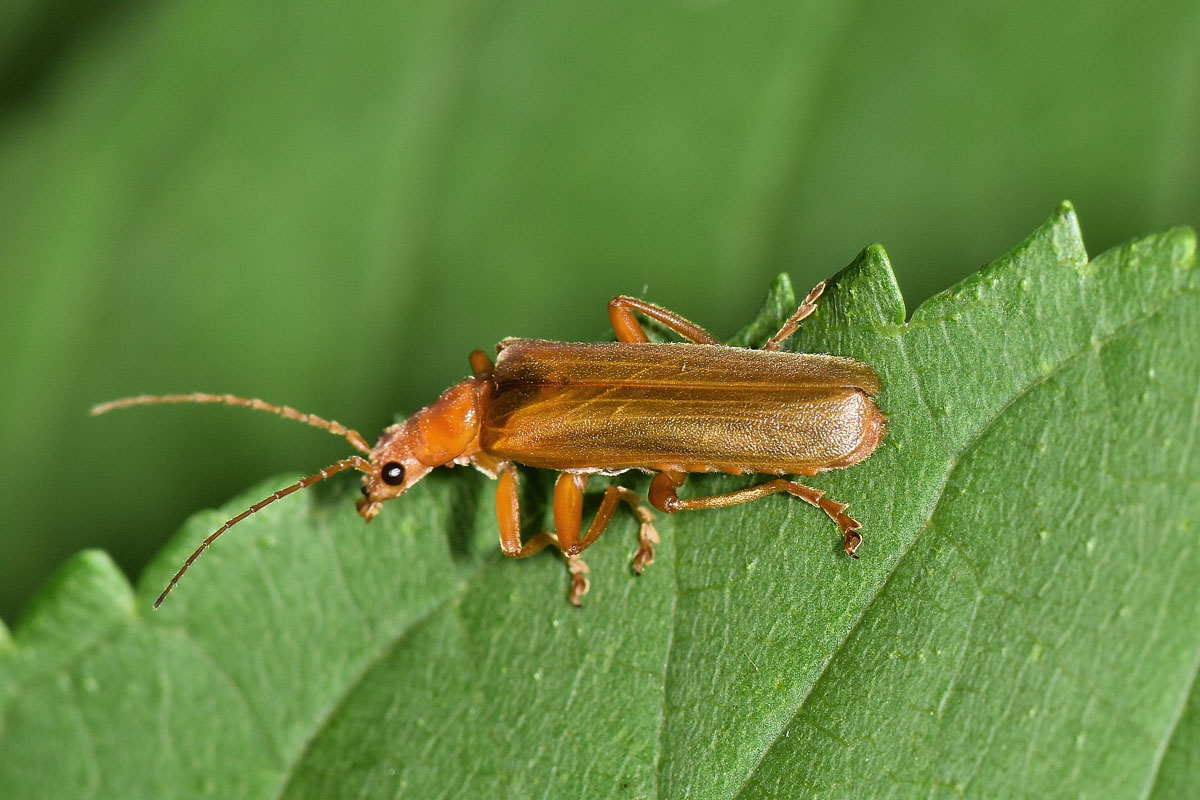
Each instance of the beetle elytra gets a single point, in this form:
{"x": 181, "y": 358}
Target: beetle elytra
{"x": 581, "y": 408}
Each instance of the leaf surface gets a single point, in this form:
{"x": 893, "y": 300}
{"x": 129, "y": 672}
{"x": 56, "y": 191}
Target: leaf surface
{"x": 1021, "y": 621}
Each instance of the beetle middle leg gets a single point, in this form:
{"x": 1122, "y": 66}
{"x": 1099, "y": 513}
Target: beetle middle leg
{"x": 568, "y": 518}
{"x": 663, "y": 496}
{"x": 568, "y": 523}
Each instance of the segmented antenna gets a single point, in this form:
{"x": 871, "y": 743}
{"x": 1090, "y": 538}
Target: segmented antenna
{"x": 352, "y": 436}
{"x": 357, "y": 462}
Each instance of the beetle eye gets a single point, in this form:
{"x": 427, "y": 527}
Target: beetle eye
{"x": 392, "y": 473}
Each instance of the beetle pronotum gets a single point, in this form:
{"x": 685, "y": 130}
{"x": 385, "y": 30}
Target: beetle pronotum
{"x": 580, "y": 409}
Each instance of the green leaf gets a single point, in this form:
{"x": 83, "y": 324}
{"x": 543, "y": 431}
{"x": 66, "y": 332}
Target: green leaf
{"x": 1021, "y": 621}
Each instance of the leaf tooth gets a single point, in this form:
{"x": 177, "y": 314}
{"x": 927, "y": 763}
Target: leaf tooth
{"x": 79, "y": 604}
{"x": 1057, "y": 244}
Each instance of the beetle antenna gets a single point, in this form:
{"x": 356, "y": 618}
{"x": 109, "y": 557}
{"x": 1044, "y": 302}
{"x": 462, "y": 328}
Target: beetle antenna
{"x": 352, "y": 436}
{"x": 357, "y": 462}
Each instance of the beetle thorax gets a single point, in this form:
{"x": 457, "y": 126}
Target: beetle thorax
{"x": 447, "y": 430}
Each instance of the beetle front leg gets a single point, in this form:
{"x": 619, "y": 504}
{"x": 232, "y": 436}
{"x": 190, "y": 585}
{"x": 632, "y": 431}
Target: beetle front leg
{"x": 568, "y": 522}
{"x": 508, "y": 517}
{"x": 663, "y": 496}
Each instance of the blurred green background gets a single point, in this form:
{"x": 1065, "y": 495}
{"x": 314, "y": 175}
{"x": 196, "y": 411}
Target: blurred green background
{"x": 330, "y": 204}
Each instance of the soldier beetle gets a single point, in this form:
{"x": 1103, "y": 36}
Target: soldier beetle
{"x": 664, "y": 408}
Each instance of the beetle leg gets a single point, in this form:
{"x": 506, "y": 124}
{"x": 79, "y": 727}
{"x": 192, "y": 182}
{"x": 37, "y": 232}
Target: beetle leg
{"x": 568, "y": 503}
{"x": 664, "y": 497}
{"x": 568, "y": 511}
{"x": 481, "y": 365}
{"x": 568, "y": 519}
{"x": 568, "y": 526}
{"x": 808, "y": 306}
{"x": 508, "y": 517}
{"x": 628, "y": 329}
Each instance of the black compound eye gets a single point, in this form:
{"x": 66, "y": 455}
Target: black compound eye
{"x": 392, "y": 473}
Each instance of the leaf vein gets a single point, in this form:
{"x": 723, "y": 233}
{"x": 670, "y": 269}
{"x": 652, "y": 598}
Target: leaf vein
{"x": 389, "y": 647}
{"x": 1169, "y": 733}
{"x": 239, "y": 691}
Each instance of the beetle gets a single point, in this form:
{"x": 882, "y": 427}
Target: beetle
{"x": 668, "y": 408}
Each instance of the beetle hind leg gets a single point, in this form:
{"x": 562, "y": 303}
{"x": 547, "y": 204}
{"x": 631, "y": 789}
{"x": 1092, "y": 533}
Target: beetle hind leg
{"x": 664, "y": 496}
{"x": 807, "y": 306}
{"x": 837, "y": 512}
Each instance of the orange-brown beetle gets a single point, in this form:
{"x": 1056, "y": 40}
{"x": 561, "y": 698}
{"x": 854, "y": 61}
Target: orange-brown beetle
{"x": 666, "y": 408}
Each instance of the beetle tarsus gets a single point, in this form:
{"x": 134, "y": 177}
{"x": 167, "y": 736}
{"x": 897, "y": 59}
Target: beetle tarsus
{"x": 647, "y": 538}
{"x": 807, "y": 307}
{"x": 853, "y": 540}
{"x": 579, "y": 580}
{"x": 848, "y": 524}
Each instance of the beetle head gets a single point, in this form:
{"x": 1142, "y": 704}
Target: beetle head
{"x": 394, "y": 468}
{"x": 441, "y": 434}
